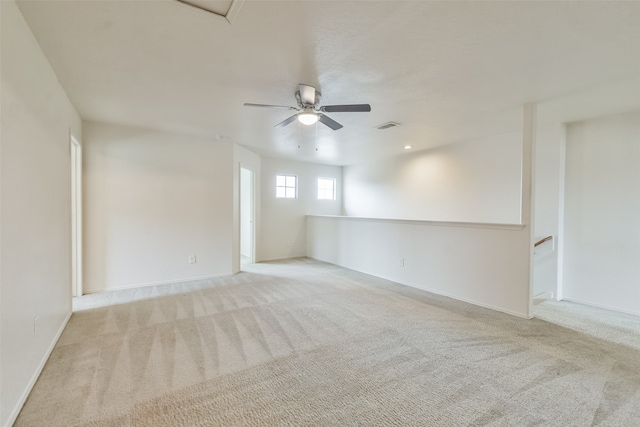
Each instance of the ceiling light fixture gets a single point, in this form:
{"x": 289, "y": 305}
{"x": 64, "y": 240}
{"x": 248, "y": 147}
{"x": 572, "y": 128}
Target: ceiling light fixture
{"x": 407, "y": 147}
{"x": 307, "y": 117}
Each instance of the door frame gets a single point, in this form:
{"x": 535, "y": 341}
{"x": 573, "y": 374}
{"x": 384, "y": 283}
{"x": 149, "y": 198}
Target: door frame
{"x": 76, "y": 215}
{"x": 252, "y": 213}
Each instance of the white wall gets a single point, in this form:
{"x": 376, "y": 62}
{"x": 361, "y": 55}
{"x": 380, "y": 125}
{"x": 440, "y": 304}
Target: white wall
{"x": 151, "y": 199}
{"x": 480, "y": 264}
{"x": 602, "y": 211}
{"x": 455, "y": 220}
{"x": 35, "y": 214}
{"x": 549, "y": 174}
{"x": 283, "y": 234}
{"x": 477, "y": 181}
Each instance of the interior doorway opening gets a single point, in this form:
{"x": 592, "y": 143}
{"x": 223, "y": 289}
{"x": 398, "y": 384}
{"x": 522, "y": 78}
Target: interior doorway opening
{"x": 76, "y": 217}
{"x": 247, "y": 215}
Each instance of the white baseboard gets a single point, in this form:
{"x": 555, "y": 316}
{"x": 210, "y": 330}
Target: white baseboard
{"x": 164, "y": 282}
{"x": 606, "y": 307}
{"x": 444, "y": 294}
{"x": 467, "y": 300}
{"x": 16, "y": 411}
{"x": 282, "y": 258}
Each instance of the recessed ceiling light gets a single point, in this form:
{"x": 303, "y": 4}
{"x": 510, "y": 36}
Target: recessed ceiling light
{"x": 407, "y": 147}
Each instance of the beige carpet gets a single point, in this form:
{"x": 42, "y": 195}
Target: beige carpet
{"x": 307, "y": 343}
{"x": 621, "y": 328}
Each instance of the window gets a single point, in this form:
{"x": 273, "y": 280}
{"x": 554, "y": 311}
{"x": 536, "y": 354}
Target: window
{"x": 286, "y": 186}
{"x": 326, "y": 189}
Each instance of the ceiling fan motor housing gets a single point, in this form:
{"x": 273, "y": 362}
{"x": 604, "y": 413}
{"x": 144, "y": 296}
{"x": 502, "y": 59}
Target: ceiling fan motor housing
{"x": 308, "y": 97}
{"x": 309, "y": 111}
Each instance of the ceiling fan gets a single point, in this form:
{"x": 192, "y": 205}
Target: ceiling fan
{"x": 309, "y": 112}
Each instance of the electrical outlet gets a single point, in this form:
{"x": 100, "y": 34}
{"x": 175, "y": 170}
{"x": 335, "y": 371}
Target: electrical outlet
{"x": 35, "y": 326}
{"x": 192, "y": 259}
{"x": 402, "y": 261}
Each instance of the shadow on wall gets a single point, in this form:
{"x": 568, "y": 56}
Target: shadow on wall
{"x": 471, "y": 181}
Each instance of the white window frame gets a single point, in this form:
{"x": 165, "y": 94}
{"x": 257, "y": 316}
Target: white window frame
{"x": 284, "y": 189}
{"x": 322, "y": 191}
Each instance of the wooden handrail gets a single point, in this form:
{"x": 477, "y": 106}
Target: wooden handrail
{"x": 541, "y": 241}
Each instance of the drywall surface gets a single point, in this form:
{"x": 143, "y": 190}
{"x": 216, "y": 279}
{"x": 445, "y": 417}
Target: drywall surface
{"x": 476, "y": 263}
{"x": 152, "y": 199}
{"x": 476, "y": 181}
{"x": 602, "y": 207}
{"x": 444, "y": 220}
{"x": 36, "y": 121}
{"x": 283, "y": 234}
{"x": 549, "y": 169}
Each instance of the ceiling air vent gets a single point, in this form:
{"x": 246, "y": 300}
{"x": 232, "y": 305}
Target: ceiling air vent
{"x": 387, "y": 125}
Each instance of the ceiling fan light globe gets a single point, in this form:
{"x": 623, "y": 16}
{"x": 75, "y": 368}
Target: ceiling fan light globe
{"x": 307, "y": 118}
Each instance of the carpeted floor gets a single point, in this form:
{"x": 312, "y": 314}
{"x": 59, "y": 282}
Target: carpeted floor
{"x": 614, "y": 326}
{"x": 306, "y": 343}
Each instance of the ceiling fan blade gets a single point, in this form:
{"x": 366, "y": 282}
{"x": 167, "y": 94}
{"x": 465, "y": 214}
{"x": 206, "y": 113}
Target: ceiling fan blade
{"x": 329, "y": 122}
{"x": 307, "y": 94}
{"x": 353, "y": 108}
{"x": 246, "y": 104}
{"x": 286, "y": 121}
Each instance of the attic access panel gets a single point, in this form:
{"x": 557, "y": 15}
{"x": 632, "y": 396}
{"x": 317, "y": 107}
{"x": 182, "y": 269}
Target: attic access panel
{"x": 225, "y": 9}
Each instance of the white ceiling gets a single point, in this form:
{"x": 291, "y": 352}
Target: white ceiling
{"x": 446, "y": 71}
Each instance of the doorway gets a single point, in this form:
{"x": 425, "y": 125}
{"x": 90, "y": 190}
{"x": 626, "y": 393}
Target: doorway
{"x": 247, "y": 215}
{"x": 76, "y": 217}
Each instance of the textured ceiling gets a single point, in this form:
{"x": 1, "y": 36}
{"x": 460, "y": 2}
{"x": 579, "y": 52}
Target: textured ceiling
{"x": 446, "y": 71}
